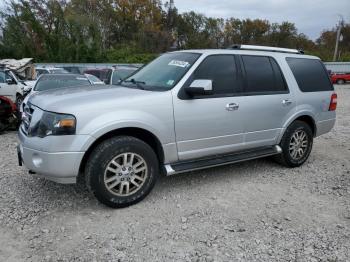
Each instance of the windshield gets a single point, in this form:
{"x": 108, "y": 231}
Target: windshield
{"x": 164, "y": 72}
{"x": 47, "y": 82}
{"x": 121, "y": 74}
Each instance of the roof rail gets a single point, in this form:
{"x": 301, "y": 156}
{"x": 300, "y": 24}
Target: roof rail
{"x": 266, "y": 49}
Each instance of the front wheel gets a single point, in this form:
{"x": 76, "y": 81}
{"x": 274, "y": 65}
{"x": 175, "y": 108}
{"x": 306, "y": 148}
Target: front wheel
{"x": 296, "y": 144}
{"x": 122, "y": 171}
{"x": 340, "y": 82}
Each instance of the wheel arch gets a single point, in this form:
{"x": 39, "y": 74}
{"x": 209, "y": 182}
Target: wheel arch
{"x": 306, "y": 117}
{"x": 140, "y": 133}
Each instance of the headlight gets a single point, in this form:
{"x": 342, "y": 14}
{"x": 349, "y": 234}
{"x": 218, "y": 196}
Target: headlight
{"x": 54, "y": 124}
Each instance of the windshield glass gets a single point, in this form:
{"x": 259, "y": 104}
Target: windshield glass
{"x": 121, "y": 74}
{"x": 47, "y": 82}
{"x": 164, "y": 72}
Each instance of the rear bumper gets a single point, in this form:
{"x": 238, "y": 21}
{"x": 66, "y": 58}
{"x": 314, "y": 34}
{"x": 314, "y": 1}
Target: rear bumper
{"x": 324, "y": 126}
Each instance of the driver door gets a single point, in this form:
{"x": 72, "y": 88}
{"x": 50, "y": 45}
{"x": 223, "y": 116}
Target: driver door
{"x": 210, "y": 124}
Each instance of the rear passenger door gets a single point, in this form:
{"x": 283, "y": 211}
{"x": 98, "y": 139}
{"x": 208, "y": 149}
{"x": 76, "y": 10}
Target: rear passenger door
{"x": 268, "y": 101}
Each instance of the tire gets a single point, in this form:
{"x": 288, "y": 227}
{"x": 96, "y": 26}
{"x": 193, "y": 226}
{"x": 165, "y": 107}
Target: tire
{"x": 117, "y": 182}
{"x": 19, "y": 100}
{"x": 340, "y": 81}
{"x": 291, "y": 156}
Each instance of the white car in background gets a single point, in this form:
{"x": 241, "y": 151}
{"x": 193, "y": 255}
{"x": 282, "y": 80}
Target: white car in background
{"x": 49, "y": 70}
{"x": 94, "y": 79}
{"x": 11, "y": 86}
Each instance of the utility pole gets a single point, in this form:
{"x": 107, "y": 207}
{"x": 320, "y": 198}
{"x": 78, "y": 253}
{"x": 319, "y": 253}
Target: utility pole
{"x": 340, "y": 26}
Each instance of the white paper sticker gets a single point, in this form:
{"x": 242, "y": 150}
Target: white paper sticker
{"x": 179, "y": 63}
{"x": 170, "y": 82}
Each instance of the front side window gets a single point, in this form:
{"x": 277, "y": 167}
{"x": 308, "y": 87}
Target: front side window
{"x": 310, "y": 74}
{"x": 221, "y": 69}
{"x": 262, "y": 74}
{"x": 163, "y": 73}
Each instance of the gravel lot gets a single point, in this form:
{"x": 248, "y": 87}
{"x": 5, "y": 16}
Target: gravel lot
{"x": 256, "y": 211}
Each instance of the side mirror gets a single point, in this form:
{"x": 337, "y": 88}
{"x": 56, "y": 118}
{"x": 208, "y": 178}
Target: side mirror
{"x": 10, "y": 81}
{"x": 200, "y": 87}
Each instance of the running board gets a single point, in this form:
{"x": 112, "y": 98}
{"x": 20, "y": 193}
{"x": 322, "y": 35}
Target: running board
{"x": 220, "y": 160}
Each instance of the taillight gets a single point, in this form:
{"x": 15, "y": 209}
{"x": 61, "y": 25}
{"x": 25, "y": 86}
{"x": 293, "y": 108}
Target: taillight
{"x": 333, "y": 104}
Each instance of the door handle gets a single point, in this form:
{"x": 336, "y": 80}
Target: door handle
{"x": 232, "y": 107}
{"x": 287, "y": 102}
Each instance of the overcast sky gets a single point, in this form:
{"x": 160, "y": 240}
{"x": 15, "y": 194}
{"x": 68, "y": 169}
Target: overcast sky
{"x": 310, "y": 16}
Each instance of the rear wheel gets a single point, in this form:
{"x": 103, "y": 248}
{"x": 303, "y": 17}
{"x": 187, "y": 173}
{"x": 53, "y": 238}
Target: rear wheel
{"x": 122, "y": 171}
{"x": 340, "y": 81}
{"x": 296, "y": 144}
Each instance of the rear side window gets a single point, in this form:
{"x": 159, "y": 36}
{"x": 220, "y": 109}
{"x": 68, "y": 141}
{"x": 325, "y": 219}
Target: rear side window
{"x": 221, "y": 69}
{"x": 310, "y": 74}
{"x": 262, "y": 75}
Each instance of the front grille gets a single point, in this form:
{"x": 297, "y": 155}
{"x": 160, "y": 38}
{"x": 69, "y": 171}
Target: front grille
{"x": 27, "y": 117}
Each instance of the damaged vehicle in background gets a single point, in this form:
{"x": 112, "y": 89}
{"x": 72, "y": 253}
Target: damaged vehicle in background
{"x": 11, "y": 87}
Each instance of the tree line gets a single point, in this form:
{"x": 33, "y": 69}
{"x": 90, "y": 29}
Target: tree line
{"x": 125, "y": 31}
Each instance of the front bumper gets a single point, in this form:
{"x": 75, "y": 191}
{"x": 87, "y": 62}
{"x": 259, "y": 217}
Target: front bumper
{"x": 61, "y": 166}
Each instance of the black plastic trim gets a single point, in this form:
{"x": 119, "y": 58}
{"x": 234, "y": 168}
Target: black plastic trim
{"x": 218, "y": 160}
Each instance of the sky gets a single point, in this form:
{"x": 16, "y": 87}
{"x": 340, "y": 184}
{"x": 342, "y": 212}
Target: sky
{"x": 310, "y": 16}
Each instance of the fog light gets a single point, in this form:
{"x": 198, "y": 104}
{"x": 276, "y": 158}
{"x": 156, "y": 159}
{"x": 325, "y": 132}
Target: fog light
{"x": 37, "y": 160}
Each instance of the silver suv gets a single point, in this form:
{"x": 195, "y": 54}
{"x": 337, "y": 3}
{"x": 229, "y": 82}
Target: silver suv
{"x": 186, "y": 110}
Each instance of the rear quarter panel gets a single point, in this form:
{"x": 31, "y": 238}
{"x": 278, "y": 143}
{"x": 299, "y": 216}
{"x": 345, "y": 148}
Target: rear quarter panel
{"x": 313, "y": 104}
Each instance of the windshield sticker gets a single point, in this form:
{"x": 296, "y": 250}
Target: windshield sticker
{"x": 179, "y": 63}
{"x": 80, "y": 78}
{"x": 170, "y": 82}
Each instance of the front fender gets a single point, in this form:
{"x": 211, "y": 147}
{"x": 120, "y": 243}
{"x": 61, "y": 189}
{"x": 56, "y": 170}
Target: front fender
{"x": 163, "y": 129}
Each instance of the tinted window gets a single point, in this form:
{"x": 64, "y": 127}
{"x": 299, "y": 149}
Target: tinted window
{"x": 280, "y": 84}
{"x": 310, "y": 74}
{"x": 121, "y": 74}
{"x": 221, "y": 69}
{"x": 262, "y": 75}
{"x": 2, "y": 77}
{"x": 47, "y": 82}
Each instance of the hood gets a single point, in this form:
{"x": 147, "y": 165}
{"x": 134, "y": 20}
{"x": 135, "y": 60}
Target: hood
{"x": 88, "y": 98}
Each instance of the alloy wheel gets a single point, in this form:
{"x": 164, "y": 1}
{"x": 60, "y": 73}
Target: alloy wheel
{"x": 125, "y": 174}
{"x": 298, "y": 144}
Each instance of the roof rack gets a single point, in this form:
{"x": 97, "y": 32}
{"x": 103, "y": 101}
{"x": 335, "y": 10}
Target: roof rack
{"x": 266, "y": 49}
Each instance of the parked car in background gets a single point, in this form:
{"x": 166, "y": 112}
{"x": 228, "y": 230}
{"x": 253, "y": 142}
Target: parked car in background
{"x": 74, "y": 69}
{"x": 340, "y": 78}
{"x": 102, "y": 73}
{"x": 120, "y": 73}
{"x": 94, "y": 79}
{"x": 184, "y": 111}
{"x": 54, "y": 81}
{"x": 50, "y": 70}
{"x": 11, "y": 86}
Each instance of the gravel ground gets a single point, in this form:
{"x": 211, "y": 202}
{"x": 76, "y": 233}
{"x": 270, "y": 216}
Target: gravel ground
{"x": 253, "y": 211}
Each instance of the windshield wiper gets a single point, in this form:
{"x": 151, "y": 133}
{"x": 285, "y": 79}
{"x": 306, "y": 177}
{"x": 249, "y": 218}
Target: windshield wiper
{"x": 137, "y": 83}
